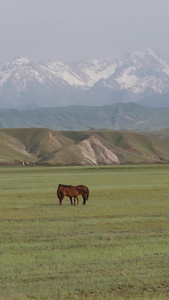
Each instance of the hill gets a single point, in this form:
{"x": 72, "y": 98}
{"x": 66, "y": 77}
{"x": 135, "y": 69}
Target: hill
{"x": 95, "y": 147}
{"x": 120, "y": 116}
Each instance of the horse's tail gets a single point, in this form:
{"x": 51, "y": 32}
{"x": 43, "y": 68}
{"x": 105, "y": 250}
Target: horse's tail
{"x": 58, "y": 191}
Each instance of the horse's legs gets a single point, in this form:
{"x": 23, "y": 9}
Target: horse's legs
{"x": 71, "y": 202}
{"x": 84, "y": 200}
{"x": 76, "y": 198}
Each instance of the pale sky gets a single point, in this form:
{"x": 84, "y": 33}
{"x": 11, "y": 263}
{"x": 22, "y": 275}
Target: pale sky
{"x": 72, "y": 30}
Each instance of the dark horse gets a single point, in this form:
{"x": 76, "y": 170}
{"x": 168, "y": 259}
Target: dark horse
{"x": 72, "y": 191}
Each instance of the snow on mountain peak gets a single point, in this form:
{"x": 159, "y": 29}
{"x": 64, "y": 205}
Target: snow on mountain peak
{"x": 21, "y": 60}
{"x": 17, "y": 62}
{"x": 135, "y": 74}
{"x": 61, "y": 70}
{"x": 93, "y": 70}
{"x": 84, "y": 74}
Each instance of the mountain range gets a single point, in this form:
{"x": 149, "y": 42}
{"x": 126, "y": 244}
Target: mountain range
{"x": 118, "y": 116}
{"x": 140, "y": 77}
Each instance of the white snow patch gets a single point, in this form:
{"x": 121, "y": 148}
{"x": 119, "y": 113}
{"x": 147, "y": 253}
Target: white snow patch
{"x": 60, "y": 70}
{"x": 126, "y": 80}
{"x": 97, "y": 70}
{"x": 4, "y": 77}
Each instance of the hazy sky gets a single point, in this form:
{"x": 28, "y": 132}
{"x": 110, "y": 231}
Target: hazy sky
{"x": 71, "y": 30}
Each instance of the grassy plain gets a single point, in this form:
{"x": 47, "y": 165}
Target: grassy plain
{"x": 115, "y": 247}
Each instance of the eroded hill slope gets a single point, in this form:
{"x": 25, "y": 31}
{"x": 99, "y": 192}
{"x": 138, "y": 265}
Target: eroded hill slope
{"x": 97, "y": 147}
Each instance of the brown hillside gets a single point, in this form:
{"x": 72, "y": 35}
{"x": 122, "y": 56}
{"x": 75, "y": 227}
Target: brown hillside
{"x": 107, "y": 147}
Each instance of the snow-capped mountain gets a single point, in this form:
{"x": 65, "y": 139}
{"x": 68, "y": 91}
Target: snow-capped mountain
{"x": 141, "y": 71}
{"x": 83, "y": 74}
{"x": 142, "y": 76}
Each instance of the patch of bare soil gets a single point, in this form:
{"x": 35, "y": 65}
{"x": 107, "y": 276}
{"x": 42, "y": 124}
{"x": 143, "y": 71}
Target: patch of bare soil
{"x": 97, "y": 152}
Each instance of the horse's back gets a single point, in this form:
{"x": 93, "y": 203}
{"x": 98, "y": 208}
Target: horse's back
{"x": 69, "y": 191}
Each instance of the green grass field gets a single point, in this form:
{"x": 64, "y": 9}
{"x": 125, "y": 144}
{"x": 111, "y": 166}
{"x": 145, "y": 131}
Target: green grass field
{"x": 115, "y": 247}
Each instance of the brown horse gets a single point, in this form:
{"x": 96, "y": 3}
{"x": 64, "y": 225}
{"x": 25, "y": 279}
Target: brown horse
{"x": 85, "y": 193}
{"x": 72, "y": 191}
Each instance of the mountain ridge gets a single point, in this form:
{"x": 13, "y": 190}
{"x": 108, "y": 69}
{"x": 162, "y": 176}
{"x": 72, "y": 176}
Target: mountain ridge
{"x": 138, "y": 77}
{"x": 119, "y": 116}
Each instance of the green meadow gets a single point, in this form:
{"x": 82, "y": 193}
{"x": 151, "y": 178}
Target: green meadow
{"x": 114, "y": 247}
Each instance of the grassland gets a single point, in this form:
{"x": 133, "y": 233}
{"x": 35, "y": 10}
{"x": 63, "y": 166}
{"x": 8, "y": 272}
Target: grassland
{"x": 115, "y": 247}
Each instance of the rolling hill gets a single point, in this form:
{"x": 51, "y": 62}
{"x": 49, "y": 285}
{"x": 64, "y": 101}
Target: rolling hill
{"x": 44, "y": 146}
{"x": 119, "y": 116}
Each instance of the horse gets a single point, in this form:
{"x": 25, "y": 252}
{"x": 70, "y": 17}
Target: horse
{"x": 83, "y": 189}
{"x": 85, "y": 193}
{"x": 60, "y": 187}
{"x": 69, "y": 191}
{"x": 72, "y": 191}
